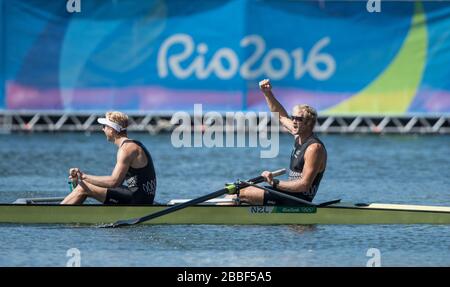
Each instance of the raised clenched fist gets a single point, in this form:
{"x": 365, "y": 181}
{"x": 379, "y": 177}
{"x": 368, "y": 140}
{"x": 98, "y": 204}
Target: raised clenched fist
{"x": 265, "y": 85}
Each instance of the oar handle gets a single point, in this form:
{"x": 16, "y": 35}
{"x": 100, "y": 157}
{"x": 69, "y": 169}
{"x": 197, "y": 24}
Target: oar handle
{"x": 72, "y": 184}
{"x": 275, "y": 173}
{"x": 279, "y": 172}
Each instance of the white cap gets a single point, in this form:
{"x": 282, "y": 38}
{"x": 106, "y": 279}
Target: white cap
{"x": 104, "y": 121}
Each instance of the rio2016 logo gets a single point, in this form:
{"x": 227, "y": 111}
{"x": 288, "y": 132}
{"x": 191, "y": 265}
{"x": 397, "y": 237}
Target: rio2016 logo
{"x": 321, "y": 66}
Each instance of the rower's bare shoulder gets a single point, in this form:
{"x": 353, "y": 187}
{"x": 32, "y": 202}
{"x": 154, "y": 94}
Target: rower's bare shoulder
{"x": 315, "y": 150}
{"x": 129, "y": 149}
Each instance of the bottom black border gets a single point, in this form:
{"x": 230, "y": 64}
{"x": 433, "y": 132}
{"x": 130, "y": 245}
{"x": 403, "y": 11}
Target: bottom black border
{"x": 226, "y": 276}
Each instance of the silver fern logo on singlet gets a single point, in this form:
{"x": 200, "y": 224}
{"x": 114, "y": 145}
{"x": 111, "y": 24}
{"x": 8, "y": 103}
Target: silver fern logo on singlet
{"x": 294, "y": 174}
{"x": 149, "y": 187}
{"x": 132, "y": 181}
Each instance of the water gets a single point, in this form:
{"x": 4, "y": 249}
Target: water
{"x": 394, "y": 169}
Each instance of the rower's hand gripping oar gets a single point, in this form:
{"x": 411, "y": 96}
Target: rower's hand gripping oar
{"x": 230, "y": 189}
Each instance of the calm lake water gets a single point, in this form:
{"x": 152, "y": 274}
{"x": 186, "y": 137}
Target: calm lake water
{"x": 361, "y": 168}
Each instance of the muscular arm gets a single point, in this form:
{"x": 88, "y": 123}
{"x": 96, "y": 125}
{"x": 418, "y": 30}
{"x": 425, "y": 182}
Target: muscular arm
{"x": 314, "y": 158}
{"x": 124, "y": 158}
{"x": 275, "y": 106}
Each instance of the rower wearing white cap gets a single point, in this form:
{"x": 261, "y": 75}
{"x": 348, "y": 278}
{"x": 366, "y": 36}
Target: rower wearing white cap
{"x": 134, "y": 166}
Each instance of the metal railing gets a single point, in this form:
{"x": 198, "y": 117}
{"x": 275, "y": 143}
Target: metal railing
{"x": 156, "y": 123}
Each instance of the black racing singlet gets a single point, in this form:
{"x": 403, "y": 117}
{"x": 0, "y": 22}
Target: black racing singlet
{"x": 142, "y": 181}
{"x": 297, "y": 163}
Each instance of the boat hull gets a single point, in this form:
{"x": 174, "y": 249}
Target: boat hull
{"x": 229, "y": 215}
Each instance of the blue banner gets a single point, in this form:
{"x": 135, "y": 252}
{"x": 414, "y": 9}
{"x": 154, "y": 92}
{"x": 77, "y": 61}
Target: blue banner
{"x": 164, "y": 56}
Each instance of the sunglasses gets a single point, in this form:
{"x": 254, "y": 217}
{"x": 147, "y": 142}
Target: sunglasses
{"x": 298, "y": 119}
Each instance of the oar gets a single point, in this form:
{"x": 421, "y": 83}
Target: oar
{"x": 38, "y": 200}
{"x": 293, "y": 198}
{"x": 230, "y": 189}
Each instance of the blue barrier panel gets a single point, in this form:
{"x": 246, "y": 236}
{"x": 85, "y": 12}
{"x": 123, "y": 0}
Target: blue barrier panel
{"x": 168, "y": 55}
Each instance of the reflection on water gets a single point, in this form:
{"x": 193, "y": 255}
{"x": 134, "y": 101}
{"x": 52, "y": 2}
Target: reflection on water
{"x": 301, "y": 229}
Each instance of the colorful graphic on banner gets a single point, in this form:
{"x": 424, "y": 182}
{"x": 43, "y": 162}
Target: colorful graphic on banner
{"x": 166, "y": 56}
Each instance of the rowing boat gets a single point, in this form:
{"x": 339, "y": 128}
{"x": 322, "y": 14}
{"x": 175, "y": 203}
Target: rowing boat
{"x": 212, "y": 213}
